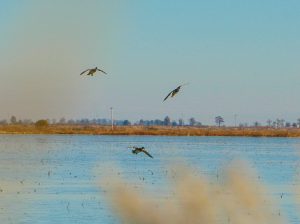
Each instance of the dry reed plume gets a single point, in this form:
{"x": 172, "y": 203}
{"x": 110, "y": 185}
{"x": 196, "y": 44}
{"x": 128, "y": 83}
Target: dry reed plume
{"x": 236, "y": 199}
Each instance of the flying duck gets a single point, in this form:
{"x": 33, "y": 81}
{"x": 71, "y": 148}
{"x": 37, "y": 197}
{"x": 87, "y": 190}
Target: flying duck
{"x": 175, "y": 91}
{"x": 137, "y": 150}
{"x": 91, "y": 71}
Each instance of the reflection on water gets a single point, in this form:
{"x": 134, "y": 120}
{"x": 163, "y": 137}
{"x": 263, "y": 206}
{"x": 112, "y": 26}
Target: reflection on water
{"x": 55, "y": 178}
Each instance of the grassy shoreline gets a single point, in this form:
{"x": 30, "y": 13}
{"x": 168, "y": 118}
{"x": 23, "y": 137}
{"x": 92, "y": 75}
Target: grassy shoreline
{"x": 150, "y": 130}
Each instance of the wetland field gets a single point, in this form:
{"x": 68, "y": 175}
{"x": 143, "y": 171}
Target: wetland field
{"x": 96, "y": 179}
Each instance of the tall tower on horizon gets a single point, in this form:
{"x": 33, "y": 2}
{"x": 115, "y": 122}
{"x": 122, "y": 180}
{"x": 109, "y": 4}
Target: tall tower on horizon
{"x": 112, "y": 118}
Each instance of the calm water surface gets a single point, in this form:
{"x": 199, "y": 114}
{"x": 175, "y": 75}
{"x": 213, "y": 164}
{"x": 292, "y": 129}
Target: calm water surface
{"x": 57, "y": 178}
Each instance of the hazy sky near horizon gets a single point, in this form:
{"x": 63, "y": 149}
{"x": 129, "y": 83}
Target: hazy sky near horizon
{"x": 240, "y": 57}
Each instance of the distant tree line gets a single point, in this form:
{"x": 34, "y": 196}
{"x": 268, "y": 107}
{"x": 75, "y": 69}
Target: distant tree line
{"x": 86, "y": 121}
{"x": 103, "y": 121}
{"x": 13, "y": 120}
{"x": 277, "y": 123}
{"x": 167, "y": 121}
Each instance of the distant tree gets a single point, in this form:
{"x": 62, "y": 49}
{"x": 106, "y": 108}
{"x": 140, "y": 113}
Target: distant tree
{"x": 13, "y": 120}
{"x": 274, "y": 123}
{"x": 27, "y": 121}
{"x": 278, "y": 122}
{"x": 2, "y": 122}
{"x": 41, "y": 123}
{"x": 141, "y": 122}
{"x": 118, "y": 122}
{"x": 256, "y": 124}
{"x": 167, "y": 121}
{"x": 298, "y": 122}
{"x": 288, "y": 124}
{"x": 269, "y": 122}
{"x": 158, "y": 122}
{"x": 103, "y": 121}
{"x": 71, "y": 121}
{"x": 62, "y": 120}
{"x": 219, "y": 120}
{"x": 126, "y": 122}
{"x": 174, "y": 123}
{"x": 294, "y": 125}
{"x": 180, "y": 122}
{"x": 243, "y": 125}
{"x": 192, "y": 121}
{"x": 282, "y": 123}
{"x": 84, "y": 121}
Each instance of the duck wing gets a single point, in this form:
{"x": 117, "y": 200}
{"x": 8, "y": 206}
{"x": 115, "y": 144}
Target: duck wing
{"x": 84, "y": 71}
{"x": 184, "y": 84}
{"x": 102, "y": 71}
{"x": 168, "y": 95}
{"x": 147, "y": 153}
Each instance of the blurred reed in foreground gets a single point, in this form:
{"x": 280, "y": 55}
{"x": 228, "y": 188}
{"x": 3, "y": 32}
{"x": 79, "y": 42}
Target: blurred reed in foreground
{"x": 237, "y": 199}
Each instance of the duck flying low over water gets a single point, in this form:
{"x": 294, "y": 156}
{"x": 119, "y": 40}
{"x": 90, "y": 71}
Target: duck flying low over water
{"x": 137, "y": 150}
{"x": 91, "y": 71}
{"x": 175, "y": 91}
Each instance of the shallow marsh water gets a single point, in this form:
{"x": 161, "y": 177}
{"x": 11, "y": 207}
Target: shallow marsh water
{"x": 58, "y": 178}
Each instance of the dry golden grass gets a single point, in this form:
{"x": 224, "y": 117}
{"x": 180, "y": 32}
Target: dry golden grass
{"x": 151, "y": 130}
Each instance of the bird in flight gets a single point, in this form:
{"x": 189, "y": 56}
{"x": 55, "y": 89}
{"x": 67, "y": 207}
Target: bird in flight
{"x": 175, "y": 91}
{"x": 137, "y": 150}
{"x": 91, "y": 71}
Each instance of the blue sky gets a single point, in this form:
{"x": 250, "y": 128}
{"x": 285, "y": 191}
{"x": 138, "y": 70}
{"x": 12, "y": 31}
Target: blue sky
{"x": 240, "y": 57}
